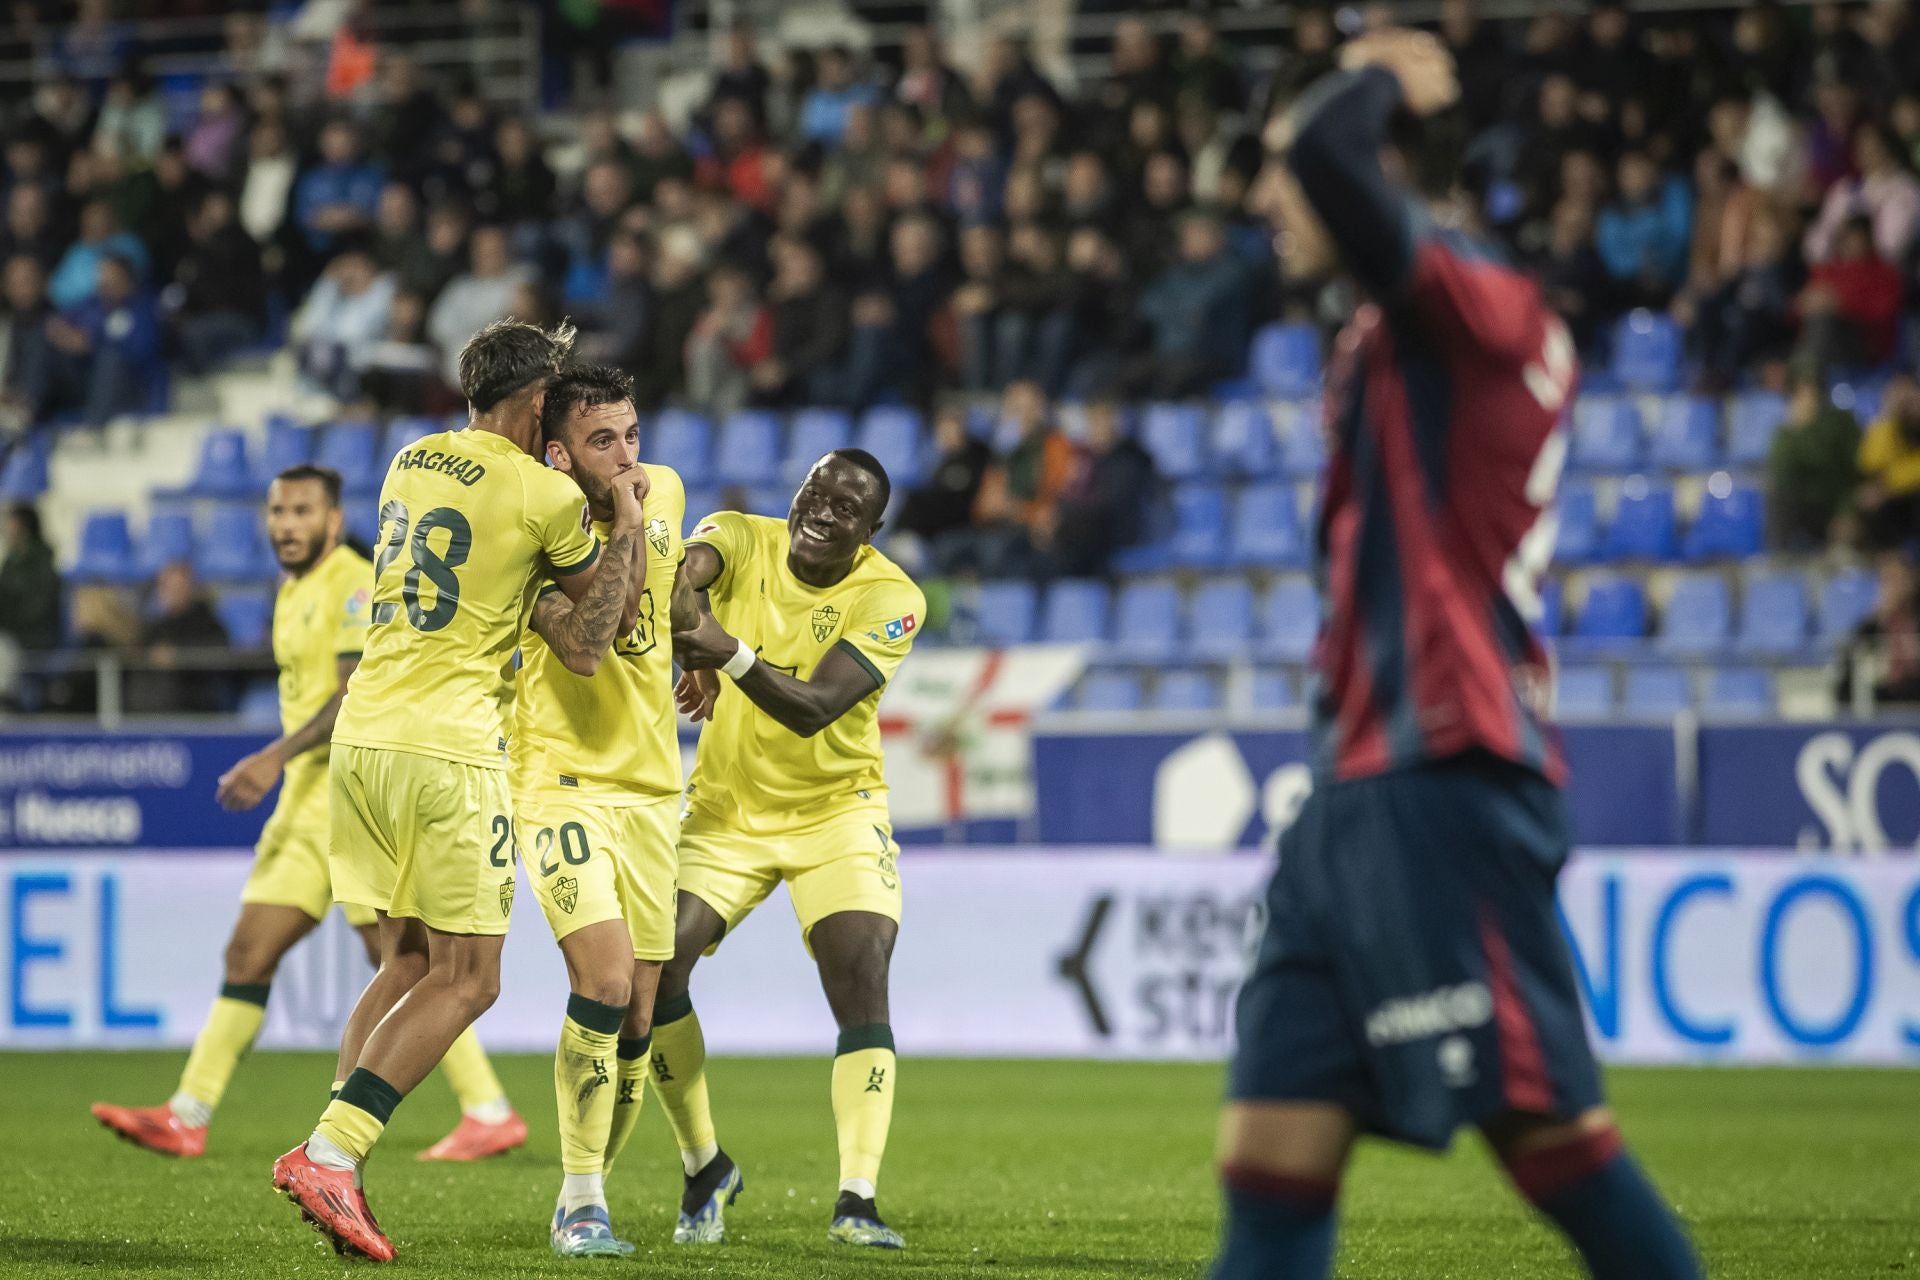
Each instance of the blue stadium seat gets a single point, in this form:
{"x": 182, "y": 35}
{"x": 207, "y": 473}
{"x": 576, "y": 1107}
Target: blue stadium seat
{"x": 813, "y": 433}
{"x": 1578, "y": 539}
{"x": 222, "y": 470}
{"x": 1220, "y": 619}
{"x": 1643, "y": 524}
{"x": 246, "y": 615}
{"x": 1199, "y": 538}
{"x": 893, "y": 435}
{"x": 1862, "y": 396}
{"x": 1552, "y": 603}
{"x": 1751, "y": 421}
{"x": 1272, "y": 691}
{"x": 1773, "y": 615}
{"x": 684, "y": 441}
{"x": 350, "y": 448}
{"x": 1687, "y": 436}
{"x": 1005, "y": 610}
{"x": 1614, "y": 613}
{"x": 1076, "y": 612}
{"x": 1289, "y": 620}
{"x": 402, "y": 432}
{"x": 702, "y": 503}
{"x": 1646, "y": 351}
{"x": 1607, "y": 436}
{"x": 1583, "y": 693}
{"x": 106, "y": 550}
{"x": 363, "y": 523}
{"x": 1146, "y": 621}
{"x": 1109, "y": 691}
{"x": 1285, "y": 360}
{"x": 1845, "y": 601}
{"x": 287, "y": 444}
{"x": 1244, "y": 446}
{"x": 233, "y": 546}
{"x": 1655, "y": 693}
{"x": 1176, "y": 437}
{"x": 169, "y": 537}
{"x": 1698, "y": 618}
{"x": 25, "y": 475}
{"x": 1266, "y": 528}
{"x": 1740, "y": 693}
{"x": 1186, "y": 691}
{"x": 748, "y": 451}
{"x": 1728, "y": 525}
{"x": 1303, "y": 448}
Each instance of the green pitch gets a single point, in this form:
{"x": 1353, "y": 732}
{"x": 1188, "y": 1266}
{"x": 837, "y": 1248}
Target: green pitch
{"x": 1001, "y": 1169}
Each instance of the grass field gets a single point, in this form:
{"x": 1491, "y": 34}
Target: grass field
{"x": 998, "y": 1169}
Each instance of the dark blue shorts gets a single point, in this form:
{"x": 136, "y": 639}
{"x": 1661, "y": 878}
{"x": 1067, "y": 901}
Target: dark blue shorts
{"x": 1413, "y": 969}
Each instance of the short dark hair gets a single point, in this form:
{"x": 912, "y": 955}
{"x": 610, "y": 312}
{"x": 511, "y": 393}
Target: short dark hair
{"x": 581, "y": 386}
{"x": 871, "y": 465}
{"x": 328, "y": 479}
{"x": 29, "y": 517}
{"x": 508, "y": 356}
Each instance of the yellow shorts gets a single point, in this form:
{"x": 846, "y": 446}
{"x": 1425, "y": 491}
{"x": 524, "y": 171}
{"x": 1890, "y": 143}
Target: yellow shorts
{"x": 290, "y": 862}
{"x": 590, "y": 863}
{"x": 424, "y": 838}
{"x": 849, "y": 863}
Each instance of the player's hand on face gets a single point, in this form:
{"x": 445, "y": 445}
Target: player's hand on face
{"x": 696, "y": 693}
{"x": 1422, "y": 64}
{"x": 247, "y": 783}
{"x": 705, "y": 647}
{"x": 630, "y": 488}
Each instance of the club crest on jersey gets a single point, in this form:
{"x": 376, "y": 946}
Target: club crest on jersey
{"x": 506, "y": 896}
{"x": 825, "y": 619}
{"x": 566, "y": 893}
{"x": 901, "y": 627}
{"x": 658, "y": 536}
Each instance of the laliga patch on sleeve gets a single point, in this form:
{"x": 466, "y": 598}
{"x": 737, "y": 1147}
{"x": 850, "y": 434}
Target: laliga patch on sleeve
{"x": 900, "y": 627}
{"x": 708, "y": 527}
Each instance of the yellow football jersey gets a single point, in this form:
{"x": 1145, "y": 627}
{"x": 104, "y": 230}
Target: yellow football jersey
{"x": 319, "y": 618}
{"x": 610, "y": 736}
{"x": 468, "y": 525}
{"x": 750, "y": 771}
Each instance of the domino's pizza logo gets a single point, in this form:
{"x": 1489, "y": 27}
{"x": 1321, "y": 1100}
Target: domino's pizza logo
{"x": 900, "y": 627}
{"x": 358, "y": 601}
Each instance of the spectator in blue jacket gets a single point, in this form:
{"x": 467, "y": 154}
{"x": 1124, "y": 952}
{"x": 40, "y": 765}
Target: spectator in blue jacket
{"x": 1644, "y": 234}
{"x": 823, "y": 114}
{"x": 340, "y": 194}
{"x": 108, "y": 346}
{"x": 78, "y": 274}
{"x": 1200, "y": 312}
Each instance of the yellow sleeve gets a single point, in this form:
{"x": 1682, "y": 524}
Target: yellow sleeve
{"x": 558, "y": 521}
{"x": 883, "y": 625}
{"x": 730, "y": 534}
{"x": 350, "y": 635}
{"x": 1876, "y": 447}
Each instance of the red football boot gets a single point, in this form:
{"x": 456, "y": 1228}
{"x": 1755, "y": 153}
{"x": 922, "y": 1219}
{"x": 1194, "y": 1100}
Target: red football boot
{"x": 473, "y": 1139}
{"x": 331, "y": 1204}
{"x": 155, "y": 1128}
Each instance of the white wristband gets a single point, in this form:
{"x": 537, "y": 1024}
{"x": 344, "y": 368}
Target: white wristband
{"x": 740, "y": 663}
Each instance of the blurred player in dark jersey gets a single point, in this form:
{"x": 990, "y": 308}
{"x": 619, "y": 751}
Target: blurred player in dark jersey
{"x": 1413, "y": 977}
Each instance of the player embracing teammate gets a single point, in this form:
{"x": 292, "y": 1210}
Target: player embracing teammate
{"x": 1413, "y": 977}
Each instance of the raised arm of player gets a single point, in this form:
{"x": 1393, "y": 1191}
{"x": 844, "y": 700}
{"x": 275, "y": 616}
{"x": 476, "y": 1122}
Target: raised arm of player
{"x": 581, "y": 619}
{"x": 838, "y": 684}
{"x": 252, "y": 776}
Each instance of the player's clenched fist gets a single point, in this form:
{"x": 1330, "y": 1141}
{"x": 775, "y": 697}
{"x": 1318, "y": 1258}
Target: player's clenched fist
{"x": 1422, "y": 64}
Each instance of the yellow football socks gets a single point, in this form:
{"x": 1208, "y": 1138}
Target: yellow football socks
{"x": 680, "y": 1078}
{"x": 631, "y": 1065}
{"x": 354, "y": 1121}
{"x": 223, "y": 1040}
{"x": 471, "y": 1075}
{"x": 863, "y": 1084}
{"x": 583, "y": 1068}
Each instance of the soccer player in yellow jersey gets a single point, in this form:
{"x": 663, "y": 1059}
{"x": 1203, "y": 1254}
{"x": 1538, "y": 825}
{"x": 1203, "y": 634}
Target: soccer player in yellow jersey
{"x": 596, "y": 794}
{"x": 809, "y": 621}
{"x": 319, "y": 626}
{"x": 470, "y": 524}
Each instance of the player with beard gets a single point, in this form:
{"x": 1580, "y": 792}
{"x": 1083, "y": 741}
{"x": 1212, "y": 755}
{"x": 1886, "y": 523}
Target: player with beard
{"x": 319, "y": 626}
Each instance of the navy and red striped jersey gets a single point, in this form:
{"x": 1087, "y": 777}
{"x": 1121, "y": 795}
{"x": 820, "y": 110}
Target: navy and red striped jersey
{"x": 1445, "y": 396}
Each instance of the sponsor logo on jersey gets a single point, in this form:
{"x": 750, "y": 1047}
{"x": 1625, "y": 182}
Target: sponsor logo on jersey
{"x": 659, "y": 537}
{"x": 825, "y": 619}
{"x": 359, "y": 600}
{"x": 901, "y": 627}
